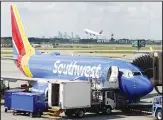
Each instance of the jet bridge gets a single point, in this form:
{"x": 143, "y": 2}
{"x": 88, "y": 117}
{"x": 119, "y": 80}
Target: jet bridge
{"x": 157, "y": 70}
{"x": 151, "y": 64}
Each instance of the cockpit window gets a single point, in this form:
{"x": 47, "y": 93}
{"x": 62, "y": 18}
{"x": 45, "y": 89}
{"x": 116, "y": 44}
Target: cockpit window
{"x": 136, "y": 73}
{"x": 128, "y": 73}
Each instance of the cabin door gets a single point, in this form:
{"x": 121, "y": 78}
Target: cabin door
{"x": 112, "y": 80}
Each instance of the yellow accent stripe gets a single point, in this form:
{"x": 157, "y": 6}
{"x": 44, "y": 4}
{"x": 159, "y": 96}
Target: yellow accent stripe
{"x": 25, "y": 66}
{"x": 28, "y": 48}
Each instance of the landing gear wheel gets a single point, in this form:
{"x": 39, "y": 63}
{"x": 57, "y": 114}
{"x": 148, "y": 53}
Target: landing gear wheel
{"x": 80, "y": 113}
{"x": 159, "y": 114}
{"x": 31, "y": 114}
{"x": 6, "y": 109}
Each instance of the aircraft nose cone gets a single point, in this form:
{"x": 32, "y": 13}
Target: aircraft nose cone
{"x": 143, "y": 86}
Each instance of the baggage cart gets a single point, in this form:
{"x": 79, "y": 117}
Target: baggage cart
{"x": 31, "y": 103}
{"x": 7, "y": 97}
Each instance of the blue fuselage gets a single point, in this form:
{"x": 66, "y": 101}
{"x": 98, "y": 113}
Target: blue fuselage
{"x": 81, "y": 67}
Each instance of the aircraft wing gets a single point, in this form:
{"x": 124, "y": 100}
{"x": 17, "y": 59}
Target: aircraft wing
{"x": 15, "y": 79}
{"x": 8, "y": 58}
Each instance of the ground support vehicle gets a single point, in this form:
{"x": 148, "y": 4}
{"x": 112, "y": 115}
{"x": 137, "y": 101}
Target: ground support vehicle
{"x": 7, "y": 97}
{"x": 77, "y": 98}
{"x": 157, "y": 107}
{"x": 3, "y": 87}
{"x": 25, "y": 102}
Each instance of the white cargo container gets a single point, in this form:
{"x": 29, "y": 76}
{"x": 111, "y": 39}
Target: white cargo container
{"x": 77, "y": 98}
{"x": 75, "y": 95}
{"x": 71, "y": 94}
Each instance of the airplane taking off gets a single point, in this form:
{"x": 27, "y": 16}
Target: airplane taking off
{"x": 41, "y": 67}
{"x": 36, "y": 45}
{"x": 87, "y": 31}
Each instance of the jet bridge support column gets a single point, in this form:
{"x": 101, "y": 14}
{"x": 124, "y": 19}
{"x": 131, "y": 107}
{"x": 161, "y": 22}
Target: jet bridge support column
{"x": 157, "y": 70}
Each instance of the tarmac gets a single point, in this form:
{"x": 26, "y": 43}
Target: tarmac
{"x": 90, "y": 52}
{"x": 116, "y": 115}
{"x": 9, "y": 68}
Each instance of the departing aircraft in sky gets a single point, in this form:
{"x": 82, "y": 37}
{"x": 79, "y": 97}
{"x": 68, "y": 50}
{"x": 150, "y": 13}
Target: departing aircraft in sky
{"x": 91, "y": 32}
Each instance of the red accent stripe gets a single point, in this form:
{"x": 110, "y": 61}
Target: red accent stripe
{"x": 16, "y": 34}
{"x": 18, "y": 63}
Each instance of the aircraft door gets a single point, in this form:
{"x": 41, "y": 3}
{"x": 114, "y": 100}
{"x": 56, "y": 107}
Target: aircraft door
{"x": 113, "y": 73}
{"x": 112, "y": 77}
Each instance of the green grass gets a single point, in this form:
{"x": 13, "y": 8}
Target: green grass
{"x": 116, "y": 52}
{"x": 96, "y": 48}
{"x": 6, "y": 52}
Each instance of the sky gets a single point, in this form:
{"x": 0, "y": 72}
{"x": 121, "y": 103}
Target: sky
{"x": 132, "y": 20}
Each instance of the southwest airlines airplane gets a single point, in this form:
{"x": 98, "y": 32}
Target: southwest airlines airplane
{"x": 40, "y": 68}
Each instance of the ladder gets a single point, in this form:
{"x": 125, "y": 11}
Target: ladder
{"x": 53, "y": 112}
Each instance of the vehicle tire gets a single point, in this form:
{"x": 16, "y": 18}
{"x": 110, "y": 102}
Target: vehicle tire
{"x": 39, "y": 114}
{"x": 14, "y": 112}
{"x": 31, "y": 114}
{"x": 80, "y": 113}
{"x": 97, "y": 112}
{"x": 107, "y": 110}
{"x": 68, "y": 114}
{"x": 159, "y": 114}
{"x": 6, "y": 109}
